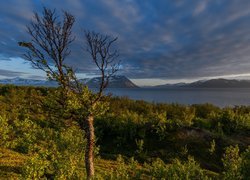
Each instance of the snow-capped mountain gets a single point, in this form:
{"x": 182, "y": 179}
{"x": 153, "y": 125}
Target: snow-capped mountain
{"x": 28, "y": 82}
{"x": 115, "y": 82}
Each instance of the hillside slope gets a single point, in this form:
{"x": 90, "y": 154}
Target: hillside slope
{"x": 115, "y": 82}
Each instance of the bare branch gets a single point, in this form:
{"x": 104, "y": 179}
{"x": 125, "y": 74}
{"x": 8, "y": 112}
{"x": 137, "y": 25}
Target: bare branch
{"x": 100, "y": 49}
{"x": 50, "y": 41}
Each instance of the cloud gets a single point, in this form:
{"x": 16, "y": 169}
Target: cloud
{"x": 7, "y": 73}
{"x": 156, "y": 39}
{"x": 4, "y": 58}
{"x": 202, "y": 5}
{"x": 126, "y": 12}
{"x": 36, "y": 77}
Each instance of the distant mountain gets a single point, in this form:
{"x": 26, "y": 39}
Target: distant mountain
{"x": 221, "y": 83}
{"x": 124, "y": 82}
{"x": 28, "y": 82}
{"x": 212, "y": 83}
{"x": 171, "y": 85}
{"x": 114, "y": 82}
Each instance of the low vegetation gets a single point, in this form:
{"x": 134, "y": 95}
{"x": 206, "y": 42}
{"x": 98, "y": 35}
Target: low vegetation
{"x": 134, "y": 139}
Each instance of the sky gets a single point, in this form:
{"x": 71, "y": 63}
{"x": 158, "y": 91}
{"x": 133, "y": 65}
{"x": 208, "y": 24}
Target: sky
{"x": 159, "y": 41}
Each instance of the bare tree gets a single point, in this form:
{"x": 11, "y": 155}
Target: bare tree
{"x": 50, "y": 45}
{"x": 100, "y": 49}
{"x": 48, "y": 49}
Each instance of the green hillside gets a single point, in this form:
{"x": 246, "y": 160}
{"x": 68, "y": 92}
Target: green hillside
{"x": 135, "y": 139}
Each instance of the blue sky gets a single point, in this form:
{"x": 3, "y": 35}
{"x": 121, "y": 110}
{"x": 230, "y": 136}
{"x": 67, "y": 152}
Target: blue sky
{"x": 159, "y": 41}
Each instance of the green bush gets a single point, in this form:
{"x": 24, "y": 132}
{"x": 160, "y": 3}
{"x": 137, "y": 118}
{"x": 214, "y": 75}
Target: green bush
{"x": 122, "y": 171}
{"x": 6, "y": 131}
{"x": 26, "y": 134}
{"x": 157, "y": 169}
{"x": 205, "y": 111}
{"x": 233, "y": 121}
{"x": 189, "y": 169}
{"x": 18, "y": 134}
{"x": 202, "y": 123}
{"x": 185, "y": 170}
{"x": 60, "y": 156}
{"x": 232, "y": 163}
{"x": 37, "y": 166}
{"x": 246, "y": 163}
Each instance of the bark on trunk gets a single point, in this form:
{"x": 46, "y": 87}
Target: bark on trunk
{"x": 89, "y": 152}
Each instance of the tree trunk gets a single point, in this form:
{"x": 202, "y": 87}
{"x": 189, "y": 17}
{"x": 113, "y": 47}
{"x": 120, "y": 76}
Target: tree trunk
{"x": 89, "y": 152}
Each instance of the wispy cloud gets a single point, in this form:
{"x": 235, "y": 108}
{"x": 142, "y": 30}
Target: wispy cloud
{"x": 125, "y": 11}
{"x": 156, "y": 39}
{"x": 6, "y": 73}
{"x": 202, "y": 5}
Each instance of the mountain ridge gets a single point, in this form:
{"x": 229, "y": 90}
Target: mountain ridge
{"x": 124, "y": 82}
{"x": 211, "y": 83}
{"x": 115, "y": 82}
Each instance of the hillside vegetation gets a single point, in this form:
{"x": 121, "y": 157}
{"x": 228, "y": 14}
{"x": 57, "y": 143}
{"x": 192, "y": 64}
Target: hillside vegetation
{"x": 135, "y": 139}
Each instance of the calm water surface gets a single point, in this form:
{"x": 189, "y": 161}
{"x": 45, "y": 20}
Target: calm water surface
{"x": 217, "y": 96}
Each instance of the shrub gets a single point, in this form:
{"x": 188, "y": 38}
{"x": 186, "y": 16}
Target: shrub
{"x": 234, "y": 121}
{"x": 185, "y": 170}
{"x": 6, "y": 131}
{"x": 232, "y": 163}
{"x": 121, "y": 171}
{"x": 18, "y": 134}
{"x": 189, "y": 169}
{"x": 37, "y": 166}
{"x": 58, "y": 154}
{"x": 157, "y": 169}
{"x": 246, "y": 163}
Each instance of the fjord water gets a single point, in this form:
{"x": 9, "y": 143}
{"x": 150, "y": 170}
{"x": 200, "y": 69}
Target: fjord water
{"x": 221, "y": 97}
